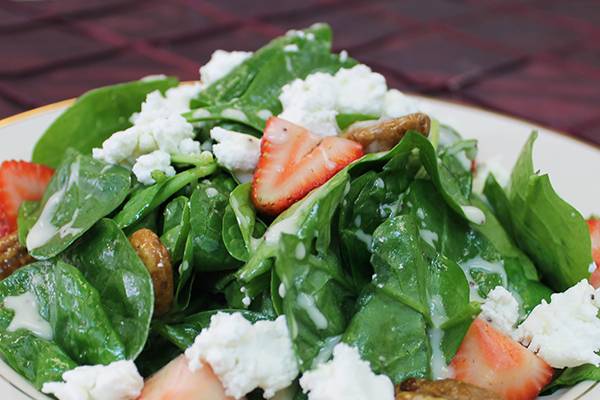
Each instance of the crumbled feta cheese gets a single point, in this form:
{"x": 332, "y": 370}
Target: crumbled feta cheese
{"x": 156, "y": 161}
{"x": 236, "y": 151}
{"x": 311, "y": 103}
{"x": 158, "y": 126}
{"x": 315, "y": 102}
{"x": 566, "y": 331}
{"x": 343, "y": 55}
{"x": 346, "y": 377}
{"x": 246, "y": 356}
{"x": 360, "y": 90}
{"x": 396, "y": 104}
{"x": 501, "y": 310}
{"x": 484, "y": 169}
{"x": 119, "y": 380}
{"x": 220, "y": 64}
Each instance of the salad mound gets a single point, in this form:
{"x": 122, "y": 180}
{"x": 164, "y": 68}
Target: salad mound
{"x": 287, "y": 227}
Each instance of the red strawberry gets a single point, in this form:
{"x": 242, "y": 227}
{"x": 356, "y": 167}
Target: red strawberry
{"x": 20, "y": 181}
{"x": 175, "y": 381}
{"x": 293, "y": 162}
{"x": 6, "y": 226}
{"x": 594, "y": 225}
{"x": 489, "y": 359}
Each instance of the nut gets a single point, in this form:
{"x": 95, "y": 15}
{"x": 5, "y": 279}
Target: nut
{"x": 448, "y": 389}
{"x": 157, "y": 260}
{"x": 12, "y": 255}
{"x": 383, "y": 135}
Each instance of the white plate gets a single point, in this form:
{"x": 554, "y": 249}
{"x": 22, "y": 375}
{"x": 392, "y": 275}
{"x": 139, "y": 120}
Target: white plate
{"x": 572, "y": 165}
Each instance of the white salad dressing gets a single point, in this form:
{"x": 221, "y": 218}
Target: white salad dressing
{"x": 439, "y": 367}
{"x": 235, "y": 114}
{"x": 27, "y": 315}
{"x": 428, "y": 236}
{"x": 474, "y": 214}
{"x": 307, "y": 303}
{"x": 496, "y": 267}
{"x": 264, "y": 114}
{"x": 300, "y": 251}
{"x": 43, "y": 230}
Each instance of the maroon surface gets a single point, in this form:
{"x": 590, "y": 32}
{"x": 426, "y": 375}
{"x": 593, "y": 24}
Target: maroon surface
{"x": 537, "y": 59}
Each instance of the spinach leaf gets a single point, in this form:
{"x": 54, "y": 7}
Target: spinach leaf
{"x": 183, "y": 334}
{"x": 176, "y": 227}
{"x": 251, "y": 91}
{"x": 73, "y": 308}
{"x": 240, "y": 224}
{"x": 345, "y": 120}
{"x": 548, "y": 229}
{"x": 412, "y": 319}
{"x": 572, "y": 376}
{"x": 308, "y": 219}
{"x": 38, "y": 360}
{"x": 185, "y": 277}
{"x": 93, "y": 118}
{"x": 110, "y": 264}
{"x": 26, "y": 219}
{"x": 81, "y": 192}
{"x": 317, "y": 300}
{"x": 148, "y": 199}
{"x": 207, "y": 206}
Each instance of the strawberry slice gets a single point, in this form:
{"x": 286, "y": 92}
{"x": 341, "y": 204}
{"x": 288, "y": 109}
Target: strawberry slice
{"x": 20, "y": 181}
{"x": 175, "y": 381}
{"x": 594, "y": 225}
{"x": 489, "y": 359}
{"x": 293, "y": 162}
{"x": 6, "y": 226}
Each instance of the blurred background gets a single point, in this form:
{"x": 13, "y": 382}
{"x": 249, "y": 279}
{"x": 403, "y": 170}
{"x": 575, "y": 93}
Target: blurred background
{"x": 536, "y": 59}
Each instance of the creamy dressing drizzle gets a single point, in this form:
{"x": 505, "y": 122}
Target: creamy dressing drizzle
{"x": 27, "y": 315}
{"x": 439, "y": 367}
{"x": 496, "y": 267}
{"x": 307, "y": 303}
{"x": 43, "y": 230}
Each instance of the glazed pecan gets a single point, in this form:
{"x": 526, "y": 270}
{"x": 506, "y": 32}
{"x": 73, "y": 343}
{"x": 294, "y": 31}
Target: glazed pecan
{"x": 12, "y": 255}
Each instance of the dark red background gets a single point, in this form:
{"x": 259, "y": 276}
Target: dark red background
{"x": 538, "y": 59}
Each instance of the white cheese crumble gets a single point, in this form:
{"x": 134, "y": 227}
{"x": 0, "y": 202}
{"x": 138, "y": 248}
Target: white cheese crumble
{"x": 27, "y": 315}
{"x": 346, "y": 377}
{"x": 246, "y": 356}
{"x": 566, "y": 331}
{"x": 145, "y": 165}
{"x": 315, "y": 102}
{"x": 501, "y": 310}
{"x": 236, "y": 151}
{"x": 220, "y": 64}
{"x": 119, "y": 380}
{"x": 158, "y": 126}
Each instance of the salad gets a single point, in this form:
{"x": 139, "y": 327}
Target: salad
{"x": 287, "y": 227}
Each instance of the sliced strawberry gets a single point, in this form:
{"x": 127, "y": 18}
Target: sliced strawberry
{"x": 489, "y": 359}
{"x": 175, "y": 381}
{"x": 6, "y": 226}
{"x": 20, "y": 181}
{"x": 293, "y": 162}
{"x": 594, "y": 225}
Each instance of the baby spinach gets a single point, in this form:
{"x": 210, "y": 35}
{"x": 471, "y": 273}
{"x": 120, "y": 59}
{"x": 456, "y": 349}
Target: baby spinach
{"x": 93, "y": 118}
{"x": 183, "y": 334}
{"x": 548, "y": 229}
{"x": 81, "y": 192}
{"x": 240, "y": 224}
{"x": 414, "y": 292}
{"x": 38, "y": 360}
{"x": 26, "y": 218}
{"x": 253, "y": 88}
{"x": 308, "y": 219}
{"x": 73, "y": 308}
{"x": 317, "y": 299}
{"x": 207, "y": 206}
{"x": 572, "y": 376}
{"x": 147, "y": 199}
{"x": 110, "y": 264}
{"x": 176, "y": 227}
